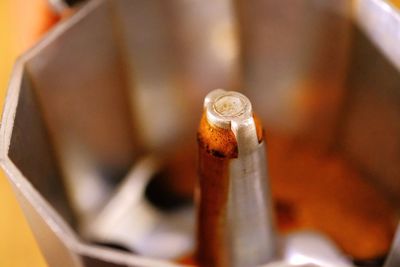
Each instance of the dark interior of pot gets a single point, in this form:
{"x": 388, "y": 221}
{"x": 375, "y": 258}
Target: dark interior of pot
{"x": 127, "y": 81}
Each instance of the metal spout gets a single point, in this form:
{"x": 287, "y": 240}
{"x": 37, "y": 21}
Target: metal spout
{"x": 235, "y": 225}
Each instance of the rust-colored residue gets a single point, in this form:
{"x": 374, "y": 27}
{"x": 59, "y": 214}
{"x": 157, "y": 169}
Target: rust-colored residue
{"x": 216, "y": 148}
{"x": 221, "y": 142}
{"x": 187, "y": 260}
{"x": 320, "y": 190}
{"x": 211, "y": 199}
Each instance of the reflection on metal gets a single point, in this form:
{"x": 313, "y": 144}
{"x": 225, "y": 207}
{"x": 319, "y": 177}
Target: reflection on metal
{"x": 58, "y": 6}
{"x": 313, "y": 248}
{"x": 393, "y": 259}
{"x": 381, "y": 21}
{"x": 287, "y": 53}
{"x": 239, "y": 229}
{"x": 108, "y": 84}
{"x": 130, "y": 220}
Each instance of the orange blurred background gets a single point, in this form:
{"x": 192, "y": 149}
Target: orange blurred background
{"x": 21, "y": 24}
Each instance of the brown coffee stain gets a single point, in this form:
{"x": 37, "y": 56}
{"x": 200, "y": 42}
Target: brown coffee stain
{"x": 217, "y": 147}
{"x": 318, "y": 189}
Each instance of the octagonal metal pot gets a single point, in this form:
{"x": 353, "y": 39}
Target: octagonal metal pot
{"x": 122, "y": 79}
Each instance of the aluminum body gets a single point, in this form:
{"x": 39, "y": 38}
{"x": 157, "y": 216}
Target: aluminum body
{"x": 121, "y": 79}
{"x": 241, "y": 206}
{"x": 250, "y": 211}
{"x": 394, "y": 254}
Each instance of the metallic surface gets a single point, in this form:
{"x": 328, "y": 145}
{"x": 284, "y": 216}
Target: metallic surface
{"x": 247, "y": 236}
{"x": 254, "y": 238}
{"x": 373, "y": 103}
{"x": 381, "y": 21}
{"x": 313, "y": 248}
{"x": 393, "y": 258}
{"x": 156, "y": 234}
{"x": 58, "y": 6}
{"x": 286, "y": 51}
{"x": 97, "y": 87}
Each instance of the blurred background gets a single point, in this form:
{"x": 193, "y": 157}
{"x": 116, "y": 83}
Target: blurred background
{"x": 21, "y": 25}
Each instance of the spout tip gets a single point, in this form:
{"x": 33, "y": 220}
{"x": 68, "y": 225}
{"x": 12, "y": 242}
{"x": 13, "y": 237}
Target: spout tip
{"x": 223, "y": 107}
